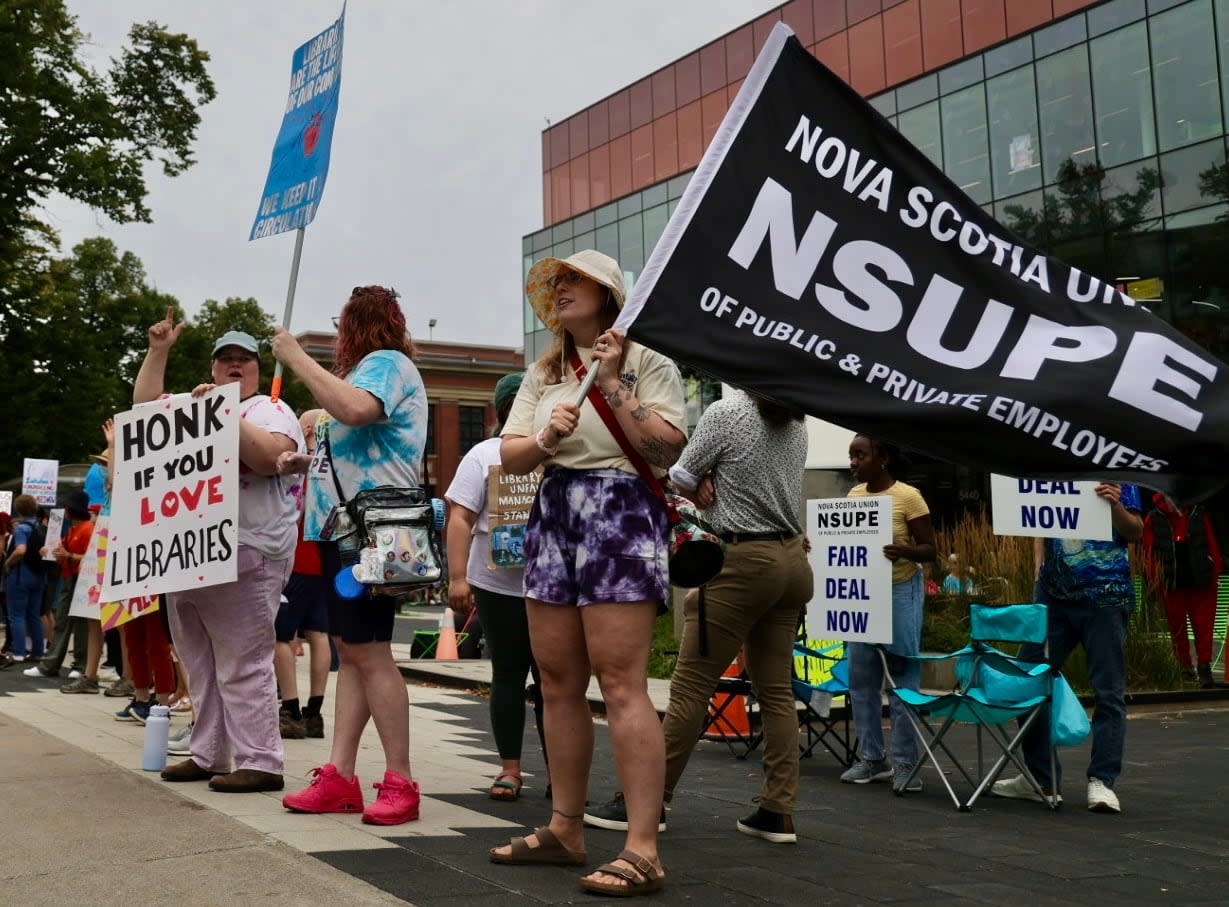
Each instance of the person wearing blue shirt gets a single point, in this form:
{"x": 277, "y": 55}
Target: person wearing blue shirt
{"x": 1087, "y": 588}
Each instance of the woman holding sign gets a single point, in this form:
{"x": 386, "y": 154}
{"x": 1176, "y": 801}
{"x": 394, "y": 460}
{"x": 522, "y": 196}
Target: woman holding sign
{"x": 477, "y": 580}
{"x": 374, "y": 433}
{"x": 595, "y": 550}
{"x": 875, "y": 464}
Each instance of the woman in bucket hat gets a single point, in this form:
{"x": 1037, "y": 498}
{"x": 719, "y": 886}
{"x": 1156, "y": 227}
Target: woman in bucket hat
{"x": 596, "y": 549}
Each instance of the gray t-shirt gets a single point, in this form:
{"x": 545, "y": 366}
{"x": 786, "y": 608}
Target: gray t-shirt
{"x": 757, "y": 469}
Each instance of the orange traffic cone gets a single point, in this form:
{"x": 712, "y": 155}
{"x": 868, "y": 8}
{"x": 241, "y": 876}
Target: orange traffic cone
{"x": 727, "y": 712}
{"x": 446, "y": 646}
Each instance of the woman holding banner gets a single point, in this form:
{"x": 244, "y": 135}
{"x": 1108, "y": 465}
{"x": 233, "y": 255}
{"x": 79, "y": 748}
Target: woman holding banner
{"x": 373, "y": 433}
{"x": 875, "y": 463}
{"x": 224, "y": 633}
{"x": 595, "y": 548}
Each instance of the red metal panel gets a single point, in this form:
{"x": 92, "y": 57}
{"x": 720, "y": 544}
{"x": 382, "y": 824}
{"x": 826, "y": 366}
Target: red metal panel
{"x": 798, "y": 16}
{"x": 641, "y": 103}
{"x": 558, "y": 145}
{"x": 712, "y": 109}
{"x": 599, "y": 124}
{"x": 687, "y": 79}
{"x": 861, "y": 10}
{"x": 739, "y": 54}
{"x": 561, "y": 193}
{"x": 620, "y": 114}
{"x": 1025, "y": 15}
{"x": 712, "y": 67}
{"x": 642, "y": 157}
{"x": 691, "y": 135}
{"x": 829, "y": 18}
{"x": 580, "y": 183}
{"x": 578, "y": 134}
{"x": 985, "y": 23}
{"x": 867, "y": 73}
{"x": 834, "y": 53}
{"x": 941, "y": 42}
{"x": 902, "y": 42}
{"x": 762, "y": 27}
{"x": 663, "y": 92}
{"x": 599, "y": 176}
{"x": 621, "y": 166}
{"x": 665, "y": 147}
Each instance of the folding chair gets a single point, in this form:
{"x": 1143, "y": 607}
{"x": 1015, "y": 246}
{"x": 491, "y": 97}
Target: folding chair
{"x": 731, "y": 714}
{"x": 1220, "y": 625}
{"x": 992, "y": 689}
{"x": 821, "y": 675}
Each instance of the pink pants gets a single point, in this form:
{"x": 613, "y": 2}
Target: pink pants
{"x": 1200, "y": 606}
{"x": 224, "y": 636}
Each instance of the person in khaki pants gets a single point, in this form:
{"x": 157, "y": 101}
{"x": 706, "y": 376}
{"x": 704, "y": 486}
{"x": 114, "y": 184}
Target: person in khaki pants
{"x": 744, "y": 464}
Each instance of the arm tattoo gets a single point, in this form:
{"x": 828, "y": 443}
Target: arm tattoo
{"x": 641, "y": 413}
{"x": 615, "y": 397}
{"x": 660, "y": 453}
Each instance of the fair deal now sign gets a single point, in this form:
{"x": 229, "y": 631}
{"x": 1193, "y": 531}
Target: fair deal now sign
{"x": 1058, "y": 510}
{"x": 853, "y": 579}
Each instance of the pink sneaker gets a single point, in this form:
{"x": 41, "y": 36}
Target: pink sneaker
{"x": 396, "y": 802}
{"x": 329, "y": 792}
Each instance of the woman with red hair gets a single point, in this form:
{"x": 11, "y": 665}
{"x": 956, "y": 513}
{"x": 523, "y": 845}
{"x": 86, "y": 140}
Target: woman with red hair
{"x": 373, "y": 433}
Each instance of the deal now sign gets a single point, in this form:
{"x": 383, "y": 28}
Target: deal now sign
{"x": 1058, "y": 510}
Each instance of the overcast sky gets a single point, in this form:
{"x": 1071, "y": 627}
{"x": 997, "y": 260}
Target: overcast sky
{"x": 436, "y": 164}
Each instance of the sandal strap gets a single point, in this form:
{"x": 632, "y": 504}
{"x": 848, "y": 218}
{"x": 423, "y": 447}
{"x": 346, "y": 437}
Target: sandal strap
{"x": 642, "y": 865}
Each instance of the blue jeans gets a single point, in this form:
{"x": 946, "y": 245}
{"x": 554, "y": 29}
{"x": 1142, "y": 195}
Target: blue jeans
{"x": 24, "y": 589}
{"x": 1102, "y": 631}
{"x": 866, "y": 678}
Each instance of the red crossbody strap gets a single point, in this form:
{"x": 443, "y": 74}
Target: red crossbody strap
{"x": 612, "y": 422}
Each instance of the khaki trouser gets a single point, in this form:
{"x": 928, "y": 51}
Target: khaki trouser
{"x": 755, "y": 604}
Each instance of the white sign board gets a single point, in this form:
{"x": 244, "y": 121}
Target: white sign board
{"x": 39, "y": 478}
{"x": 175, "y": 504}
{"x": 1056, "y": 510}
{"x": 55, "y": 530}
{"x": 6, "y": 502}
{"x": 853, "y": 579}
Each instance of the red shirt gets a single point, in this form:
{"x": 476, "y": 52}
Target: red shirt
{"x": 76, "y": 542}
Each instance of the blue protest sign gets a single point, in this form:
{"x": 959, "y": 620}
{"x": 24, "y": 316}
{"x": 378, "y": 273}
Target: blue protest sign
{"x": 300, "y": 162}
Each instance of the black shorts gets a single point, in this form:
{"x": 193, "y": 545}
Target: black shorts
{"x": 368, "y": 618}
{"x": 304, "y": 607}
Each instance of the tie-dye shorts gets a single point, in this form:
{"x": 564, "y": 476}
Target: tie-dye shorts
{"x": 595, "y": 535}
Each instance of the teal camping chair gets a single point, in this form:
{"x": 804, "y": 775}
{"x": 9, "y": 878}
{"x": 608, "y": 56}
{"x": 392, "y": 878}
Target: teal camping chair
{"x": 821, "y": 676}
{"x": 992, "y": 690}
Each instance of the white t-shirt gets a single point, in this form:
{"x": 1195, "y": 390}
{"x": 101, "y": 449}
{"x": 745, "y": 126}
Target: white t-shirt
{"x": 468, "y": 488}
{"x": 269, "y": 505}
{"x": 385, "y": 452}
{"x": 655, "y": 381}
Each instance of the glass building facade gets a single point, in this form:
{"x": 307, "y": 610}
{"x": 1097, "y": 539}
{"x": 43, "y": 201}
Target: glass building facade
{"x": 1099, "y": 138}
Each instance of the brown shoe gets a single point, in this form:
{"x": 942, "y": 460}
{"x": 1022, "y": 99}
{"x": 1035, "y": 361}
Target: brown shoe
{"x": 314, "y": 726}
{"x": 245, "y": 781}
{"x": 291, "y": 728}
{"x": 188, "y": 770}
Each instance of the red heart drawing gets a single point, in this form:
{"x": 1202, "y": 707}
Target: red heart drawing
{"x": 227, "y": 411}
{"x": 201, "y": 578}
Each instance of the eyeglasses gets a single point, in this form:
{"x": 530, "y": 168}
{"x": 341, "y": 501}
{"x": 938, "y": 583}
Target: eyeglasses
{"x": 336, "y": 322}
{"x": 571, "y": 278}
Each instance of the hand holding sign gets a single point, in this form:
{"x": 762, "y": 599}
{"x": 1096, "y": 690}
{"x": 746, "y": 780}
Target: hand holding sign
{"x": 163, "y": 334}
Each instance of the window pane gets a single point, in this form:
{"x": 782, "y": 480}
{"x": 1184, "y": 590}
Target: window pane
{"x": 960, "y": 75}
{"x": 1222, "y": 44}
{"x": 1111, "y": 15}
{"x": 1015, "y": 150}
{"x": 917, "y": 92}
{"x": 1131, "y": 198}
{"x": 608, "y": 240}
{"x": 1193, "y": 177}
{"x": 1009, "y": 56}
{"x": 471, "y": 427}
{"x": 921, "y": 127}
{"x": 1064, "y": 100}
{"x": 654, "y": 225}
{"x": 1184, "y": 76}
{"x": 964, "y": 141}
{"x": 1060, "y": 36}
{"x": 1025, "y": 216}
{"x": 885, "y": 103}
{"x": 631, "y": 243}
{"x": 1122, "y": 93}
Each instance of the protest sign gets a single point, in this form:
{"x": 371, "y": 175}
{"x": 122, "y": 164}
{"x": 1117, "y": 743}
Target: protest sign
{"x": 1050, "y": 509}
{"x": 174, "y": 517}
{"x": 39, "y": 478}
{"x": 853, "y": 580}
{"x": 509, "y": 498}
{"x": 819, "y": 259}
{"x": 6, "y": 502}
{"x": 87, "y": 600}
{"x": 295, "y": 183}
{"x": 55, "y": 530}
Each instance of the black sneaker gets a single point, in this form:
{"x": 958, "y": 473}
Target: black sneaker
{"x": 776, "y": 828}
{"x": 613, "y": 815}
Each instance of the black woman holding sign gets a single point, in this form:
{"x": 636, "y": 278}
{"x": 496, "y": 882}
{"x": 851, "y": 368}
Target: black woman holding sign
{"x": 374, "y": 434}
{"x": 875, "y": 464}
{"x": 596, "y": 551}
{"x": 224, "y": 633}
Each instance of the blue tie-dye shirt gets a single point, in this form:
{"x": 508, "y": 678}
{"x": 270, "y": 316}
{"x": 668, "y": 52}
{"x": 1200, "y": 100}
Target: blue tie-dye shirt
{"x": 1091, "y": 571}
{"x": 388, "y": 451}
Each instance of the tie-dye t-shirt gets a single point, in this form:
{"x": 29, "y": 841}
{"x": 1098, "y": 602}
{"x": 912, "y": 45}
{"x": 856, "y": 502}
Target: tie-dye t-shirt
{"x": 388, "y": 451}
{"x": 1093, "y": 571}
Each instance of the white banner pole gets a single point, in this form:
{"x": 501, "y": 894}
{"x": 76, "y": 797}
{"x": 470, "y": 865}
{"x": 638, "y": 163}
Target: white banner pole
{"x": 276, "y": 391}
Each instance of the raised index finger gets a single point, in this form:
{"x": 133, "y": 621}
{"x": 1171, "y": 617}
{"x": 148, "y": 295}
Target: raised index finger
{"x": 170, "y": 315}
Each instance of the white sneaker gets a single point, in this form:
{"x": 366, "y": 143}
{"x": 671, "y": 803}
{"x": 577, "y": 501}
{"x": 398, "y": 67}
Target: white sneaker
{"x": 107, "y": 675}
{"x": 74, "y": 674}
{"x": 32, "y": 672}
{"x": 1102, "y": 799}
{"x": 1018, "y": 788}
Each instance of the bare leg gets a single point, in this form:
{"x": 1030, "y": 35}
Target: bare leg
{"x": 619, "y": 638}
{"x": 320, "y": 659}
{"x": 370, "y": 686}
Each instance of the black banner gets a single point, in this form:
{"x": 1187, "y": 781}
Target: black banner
{"x": 819, "y": 259}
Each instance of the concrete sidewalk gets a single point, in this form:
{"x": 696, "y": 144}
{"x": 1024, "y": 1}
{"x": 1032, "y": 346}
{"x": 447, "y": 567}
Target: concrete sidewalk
{"x": 85, "y": 825}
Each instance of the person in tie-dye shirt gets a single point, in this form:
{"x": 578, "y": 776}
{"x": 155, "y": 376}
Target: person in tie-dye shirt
{"x": 374, "y": 433}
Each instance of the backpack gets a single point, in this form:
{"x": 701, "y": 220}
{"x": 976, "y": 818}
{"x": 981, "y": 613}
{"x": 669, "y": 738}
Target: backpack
{"x": 32, "y": 559}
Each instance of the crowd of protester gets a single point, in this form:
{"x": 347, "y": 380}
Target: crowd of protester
{"x": 593, "y": 582}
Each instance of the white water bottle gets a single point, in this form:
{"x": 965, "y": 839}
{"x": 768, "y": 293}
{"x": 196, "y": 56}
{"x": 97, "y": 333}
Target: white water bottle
{"x": 157, "y": 732}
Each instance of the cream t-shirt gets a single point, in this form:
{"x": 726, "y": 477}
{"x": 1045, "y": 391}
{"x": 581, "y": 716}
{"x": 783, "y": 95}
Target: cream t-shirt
{"x": 653, "y": 378}
{"x": 907, "y": 504}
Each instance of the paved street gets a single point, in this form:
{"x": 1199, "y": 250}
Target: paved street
{"x": 83, "y": 819}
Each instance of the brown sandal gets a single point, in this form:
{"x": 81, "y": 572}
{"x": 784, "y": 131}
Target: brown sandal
{"x": 648, "y": 881}
{"x": 507, "y": 786}
{"x": 549, "y": 852}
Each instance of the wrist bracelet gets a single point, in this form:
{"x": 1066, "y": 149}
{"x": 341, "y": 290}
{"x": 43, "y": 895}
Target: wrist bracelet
{"x": 541, "y": 439}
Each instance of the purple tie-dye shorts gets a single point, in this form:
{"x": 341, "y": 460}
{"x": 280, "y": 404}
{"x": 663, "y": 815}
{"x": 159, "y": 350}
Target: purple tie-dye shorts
{"x": 595, "y": 535}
